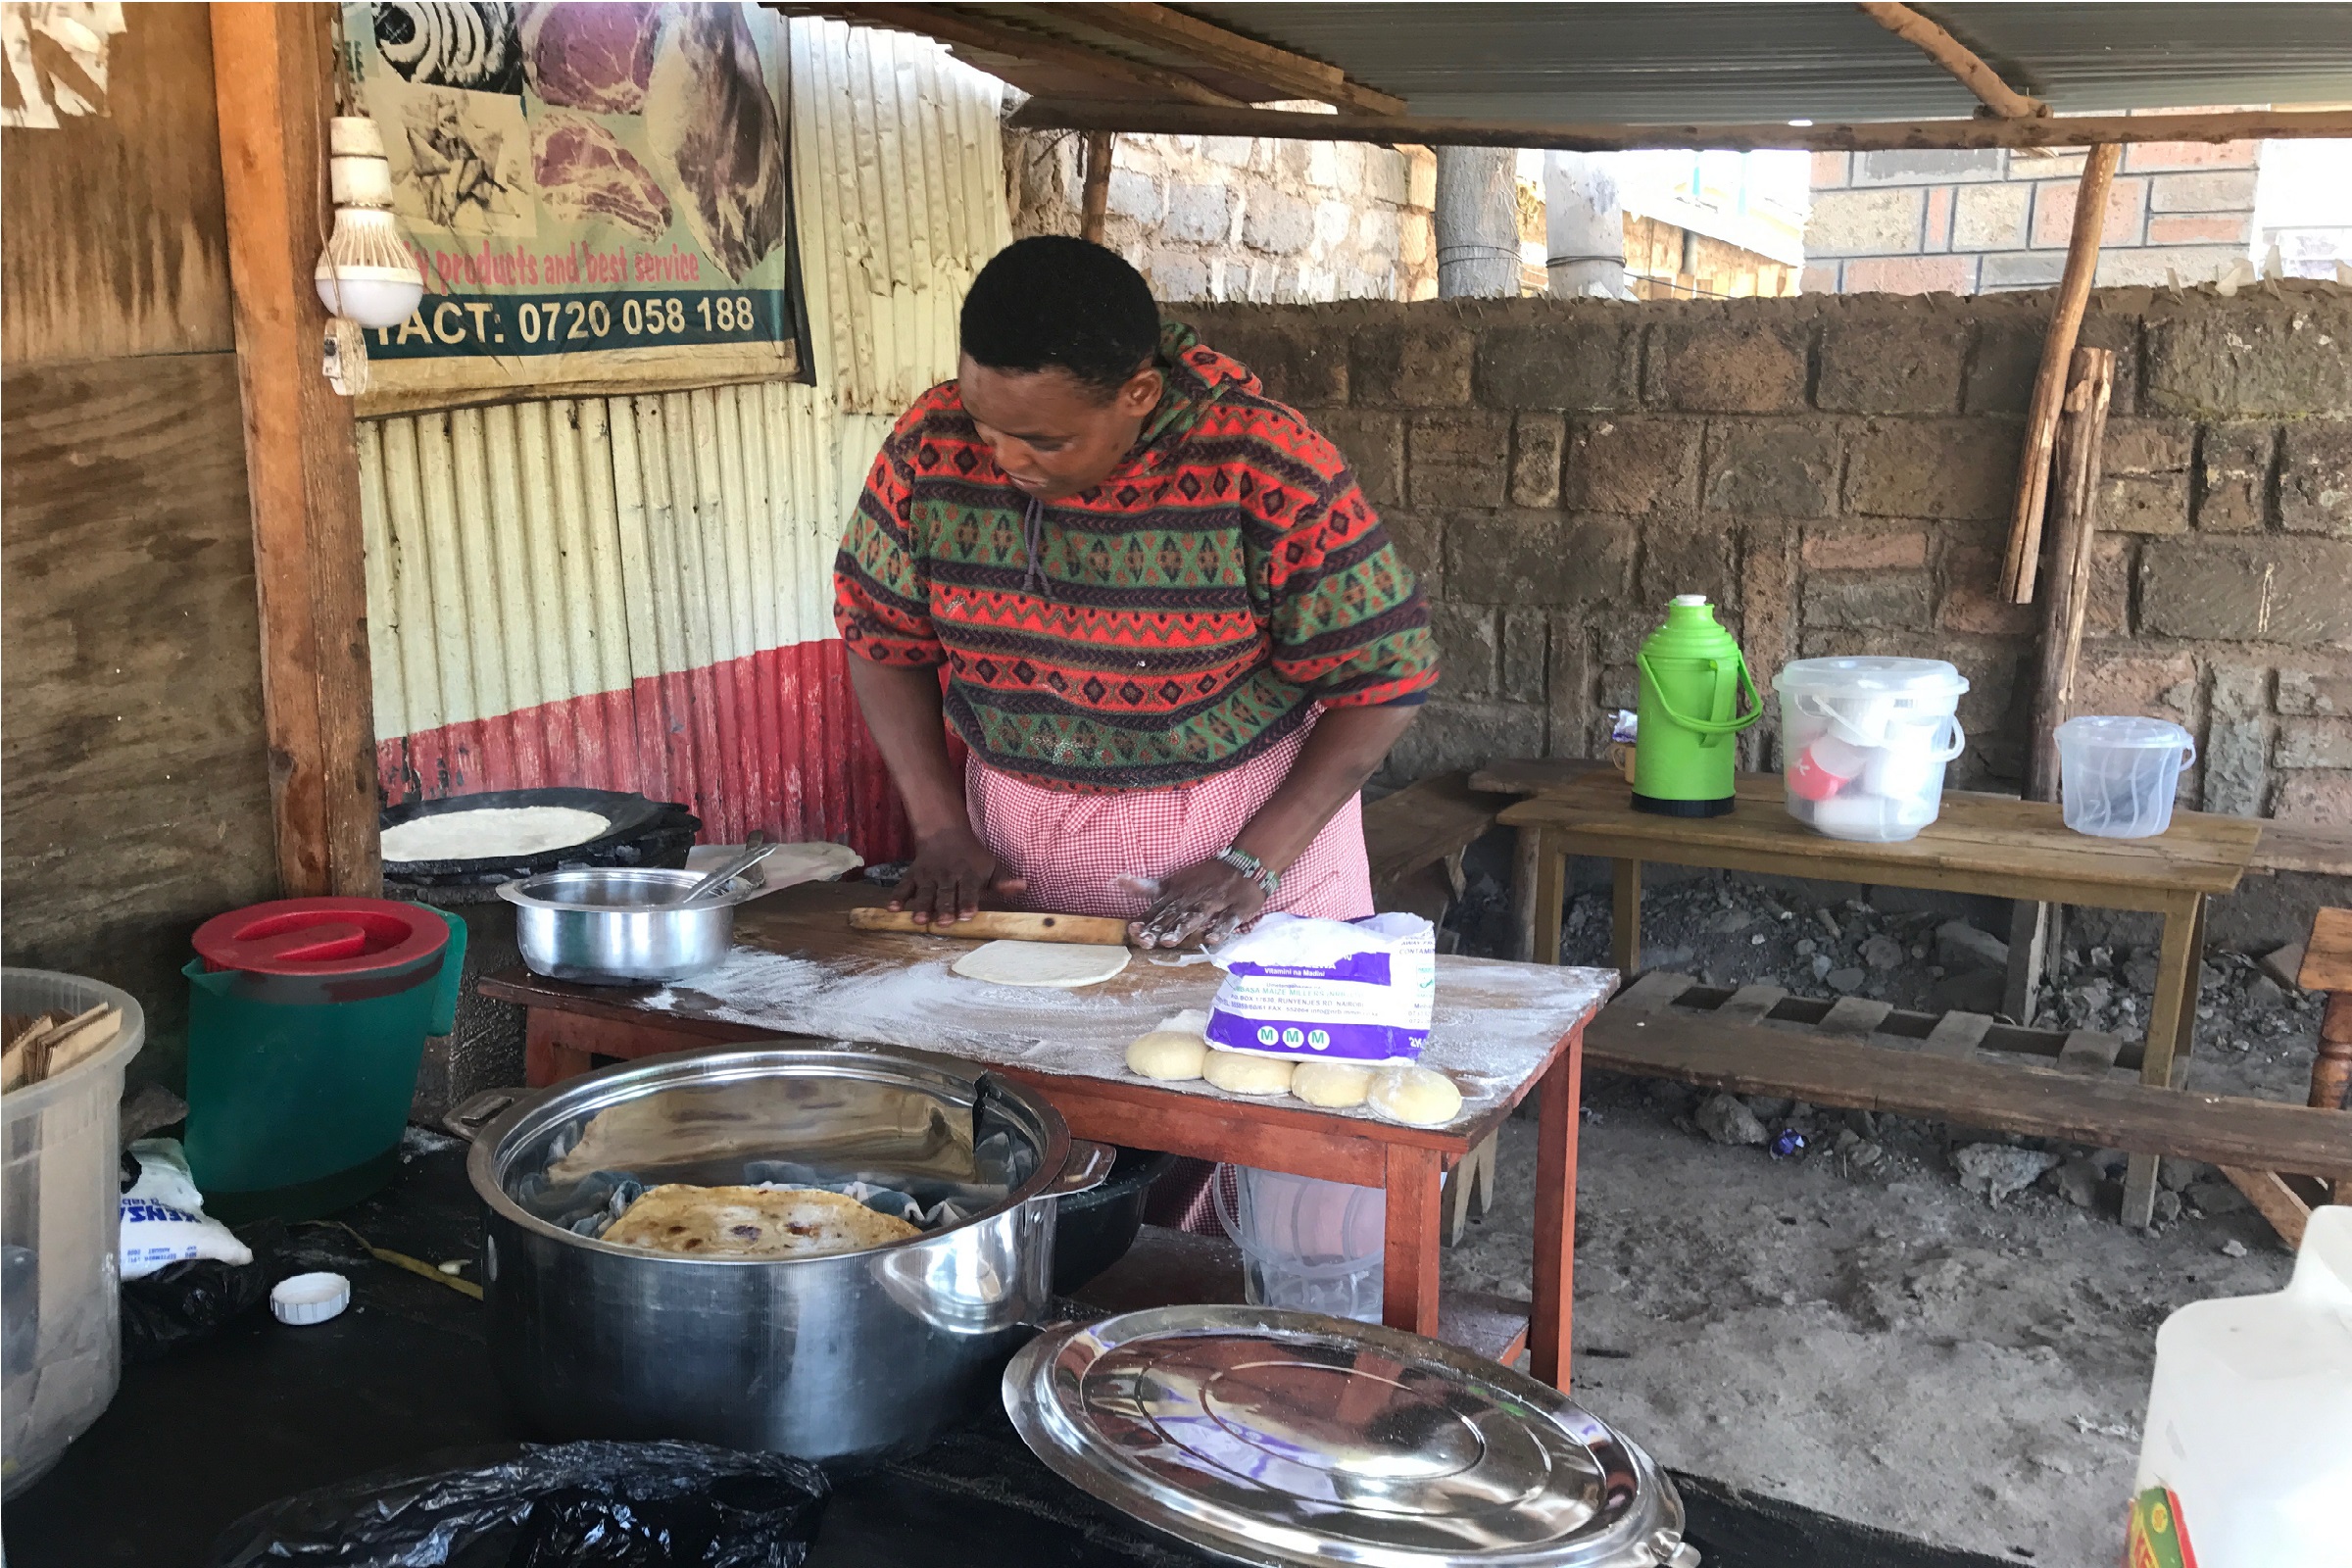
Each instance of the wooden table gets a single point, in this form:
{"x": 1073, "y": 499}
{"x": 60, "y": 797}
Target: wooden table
{"x": 1502, "y": 1031}
{"x": 1983, "y": 844}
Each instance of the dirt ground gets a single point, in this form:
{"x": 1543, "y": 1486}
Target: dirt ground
{"x": 1848, "y": 1327}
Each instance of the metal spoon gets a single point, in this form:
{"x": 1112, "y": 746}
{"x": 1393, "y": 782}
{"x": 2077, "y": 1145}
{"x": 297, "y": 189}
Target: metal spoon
{"x": 753, "y": 853}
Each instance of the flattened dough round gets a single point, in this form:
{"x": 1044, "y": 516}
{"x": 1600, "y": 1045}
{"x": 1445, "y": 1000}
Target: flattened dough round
{"x": 1007, "y": 962}
{"x": 1240, "y": 1073}
{"x": 1415, "y": 1095}
{"x": 1167, "y": 1054}
{"x": 1332, "y": 1085}
{"x": 752, "y": 1222}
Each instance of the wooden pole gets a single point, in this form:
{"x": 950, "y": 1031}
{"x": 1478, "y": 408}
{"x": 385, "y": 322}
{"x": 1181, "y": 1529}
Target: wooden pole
{"x": 2035, "y": 929}
{"x": 2049, "y": 383}
{"x": 1095, "y": 202}
{"x": 273, "y": 79}
{"x": 1955, "y": 57}
{"x": 1142, "y": 113}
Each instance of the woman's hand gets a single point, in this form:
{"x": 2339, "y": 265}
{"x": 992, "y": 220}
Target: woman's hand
{"x": 1210, "y": 900}
{"x": 951, "y": 872}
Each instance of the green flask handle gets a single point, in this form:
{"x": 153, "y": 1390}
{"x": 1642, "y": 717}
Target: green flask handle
{"x": 1709, "y": 727}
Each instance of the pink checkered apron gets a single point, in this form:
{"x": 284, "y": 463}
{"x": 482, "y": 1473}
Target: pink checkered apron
{"x": 1073, "y": 848}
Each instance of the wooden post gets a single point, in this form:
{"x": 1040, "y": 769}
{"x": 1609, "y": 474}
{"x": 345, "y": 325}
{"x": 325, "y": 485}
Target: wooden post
{"x": 2035, "y": 929}
{"x": 274, "y": 79}
{"x": 2049, "y": 383}
{"x": 1095, "y": 202}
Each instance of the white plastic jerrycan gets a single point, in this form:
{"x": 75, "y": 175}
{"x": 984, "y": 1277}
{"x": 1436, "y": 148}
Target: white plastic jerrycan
{"x": 2247, "y": 1463}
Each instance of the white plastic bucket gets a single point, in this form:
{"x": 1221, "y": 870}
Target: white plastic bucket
{"x": 1313, "y": 1246}
{"x": 1864, "y": 743}
{"x": 2117, "y": 775}
{"x": 60, "y": 1186}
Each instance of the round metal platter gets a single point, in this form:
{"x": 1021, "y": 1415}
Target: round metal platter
{"x": 1290, "y": 1437}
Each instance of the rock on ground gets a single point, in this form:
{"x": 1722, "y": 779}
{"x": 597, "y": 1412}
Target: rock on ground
{"x": 1727, "y": 1121}
{"x": 1961, "y": 946}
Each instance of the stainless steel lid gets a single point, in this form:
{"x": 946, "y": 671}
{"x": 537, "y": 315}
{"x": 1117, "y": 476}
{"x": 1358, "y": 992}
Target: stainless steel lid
{"x": 1290, "y": 1437}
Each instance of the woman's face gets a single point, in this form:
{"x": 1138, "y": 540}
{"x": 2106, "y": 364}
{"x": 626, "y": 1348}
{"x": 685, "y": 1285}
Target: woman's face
{"x": 1052, "y": 433}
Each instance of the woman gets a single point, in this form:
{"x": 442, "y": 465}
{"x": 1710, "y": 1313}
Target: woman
{"x": 1176, "y": 639}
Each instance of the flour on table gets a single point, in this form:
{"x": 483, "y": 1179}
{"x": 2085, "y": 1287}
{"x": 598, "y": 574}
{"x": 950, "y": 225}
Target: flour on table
{"x": 491, "y": 833}
{"x": 1010, "y": 963}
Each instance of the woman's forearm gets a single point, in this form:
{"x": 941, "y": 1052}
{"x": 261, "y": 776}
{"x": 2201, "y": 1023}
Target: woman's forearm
{"x": 902, "y": 708}
{"x": 1347, "y": 747}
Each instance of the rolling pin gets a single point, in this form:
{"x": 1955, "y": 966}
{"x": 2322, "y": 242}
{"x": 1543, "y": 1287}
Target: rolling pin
{"x": 988, "y": 925}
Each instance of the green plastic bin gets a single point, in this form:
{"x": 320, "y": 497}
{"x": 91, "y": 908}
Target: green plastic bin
{"x": 307, "y": 1024}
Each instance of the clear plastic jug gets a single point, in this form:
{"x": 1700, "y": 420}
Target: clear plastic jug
{"x": 2247, "y": 1463}
{"x": 1312, "y": 1245}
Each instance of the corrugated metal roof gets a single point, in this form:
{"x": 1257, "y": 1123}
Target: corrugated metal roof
{"x": 1642, "y": 63}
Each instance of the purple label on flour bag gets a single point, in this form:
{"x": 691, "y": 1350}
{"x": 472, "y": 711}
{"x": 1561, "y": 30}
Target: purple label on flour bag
{"x": 1347, "y": 1041}
{"x": 1360, "y": 968}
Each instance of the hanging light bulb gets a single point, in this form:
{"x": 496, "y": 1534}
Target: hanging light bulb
{"x": 365, "y": 274}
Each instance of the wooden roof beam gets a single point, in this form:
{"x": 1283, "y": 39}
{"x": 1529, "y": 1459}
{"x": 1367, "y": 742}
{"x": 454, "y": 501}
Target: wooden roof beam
{"x": 2083, "y": 131}
{"x": 1298, "y": 75}
{"x": 1952, "y": 55}
{"x": 970, "y": 29}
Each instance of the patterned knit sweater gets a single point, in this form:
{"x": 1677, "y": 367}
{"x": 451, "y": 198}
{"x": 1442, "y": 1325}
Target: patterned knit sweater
{"x": 1176, "y": 620}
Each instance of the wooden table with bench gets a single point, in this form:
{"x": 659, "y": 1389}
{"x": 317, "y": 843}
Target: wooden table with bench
{"x": 1980, "y": 844}
{"x": 1503, "y": 1031}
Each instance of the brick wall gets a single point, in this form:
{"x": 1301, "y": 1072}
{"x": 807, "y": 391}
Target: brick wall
{"x": 1837, "y": 472}
{"x": 1964, "y": 222}
{"x": 1236, "y": 218}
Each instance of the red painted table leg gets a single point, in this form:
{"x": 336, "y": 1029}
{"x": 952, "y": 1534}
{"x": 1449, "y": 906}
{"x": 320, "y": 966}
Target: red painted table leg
{"x": 1548, "y": 1329}
{"x": 1410, "y": 1260}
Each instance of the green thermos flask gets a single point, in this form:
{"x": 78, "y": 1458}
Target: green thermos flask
{"x": 1692, "y": 682}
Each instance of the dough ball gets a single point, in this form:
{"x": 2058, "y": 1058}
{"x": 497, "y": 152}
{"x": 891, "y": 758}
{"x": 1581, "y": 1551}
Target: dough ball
{"x": 1333, "y": 1085}
{"x": 1167, "y": 1054}
{"x": 1238, "y": 1072}
{"x": 1415, "y": 1095}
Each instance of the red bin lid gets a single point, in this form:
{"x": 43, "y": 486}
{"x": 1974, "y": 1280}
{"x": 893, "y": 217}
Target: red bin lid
{"x": 321, "y": 937}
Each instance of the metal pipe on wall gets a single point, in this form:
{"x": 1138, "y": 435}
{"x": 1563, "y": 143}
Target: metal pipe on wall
{"x": 1477, "y": 223}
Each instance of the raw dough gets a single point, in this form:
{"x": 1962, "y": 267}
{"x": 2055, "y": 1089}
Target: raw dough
{"x": 1007, "y": 962}
{"x": 1240, "y": 1073}
{"x": 491, "y": 833}
{"x": 1333, "y": 1085}
{"x": 1168, "y": 1054}
{"x": 752, "y": 1222}
{"x": 1415, "y": 1095}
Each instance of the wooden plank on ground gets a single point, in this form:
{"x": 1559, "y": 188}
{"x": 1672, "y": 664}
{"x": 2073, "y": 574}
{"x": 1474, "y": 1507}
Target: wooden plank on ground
{"x": 2107, "y": 1111}
{"x": 1654, "y": 993}
{"x": 1423, "y": 823}
{"x": 1855, "y": 1015}
{"x": 2088, "y": 1051}
{"x": 2274, "y": 1201}
{"x": 1957, "y": 1035}
{"x": 1750, "y": 1004}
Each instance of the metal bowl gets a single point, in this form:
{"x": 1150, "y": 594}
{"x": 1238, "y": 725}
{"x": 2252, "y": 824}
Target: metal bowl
{"x": 614, "y": 926}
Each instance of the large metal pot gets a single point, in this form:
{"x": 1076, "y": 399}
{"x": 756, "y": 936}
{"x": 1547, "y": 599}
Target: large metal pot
{"x": 613, "y": 926}
{"x": 857, "y": 1356}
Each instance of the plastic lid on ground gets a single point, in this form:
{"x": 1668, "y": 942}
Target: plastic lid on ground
{"x": 306, "y": 1299}
{"x": 1876, "y": 674}
{"x": 321, "y": 937}
{"x": 1291, "y": 1437}
{"x": 2122, "y": 730}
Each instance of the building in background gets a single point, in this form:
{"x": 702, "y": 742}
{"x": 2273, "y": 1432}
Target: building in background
{"x": 2303, "y": 208}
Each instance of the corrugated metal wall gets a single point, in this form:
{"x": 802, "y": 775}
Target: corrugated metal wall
{"x": 635, "y": 592}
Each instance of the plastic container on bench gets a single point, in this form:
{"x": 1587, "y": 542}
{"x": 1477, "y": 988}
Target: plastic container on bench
{"x": 1864, "y": 743}
{"x": 1314, "y": 1246}
{"x": 60, "y": 1190}
{"x": 2115, "y": 775}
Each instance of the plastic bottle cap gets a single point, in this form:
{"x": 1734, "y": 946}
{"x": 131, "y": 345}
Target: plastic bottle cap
{"x": 310, "y": 1297}
{"x": 1690, "y": 599}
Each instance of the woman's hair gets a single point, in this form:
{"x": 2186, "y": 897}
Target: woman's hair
{"x": 1055, "y": 300}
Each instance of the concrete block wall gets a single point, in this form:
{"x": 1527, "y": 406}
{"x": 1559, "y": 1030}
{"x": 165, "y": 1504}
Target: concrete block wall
{"x": 1967, "y": 223}
{"x": 1837, "y": 473}
{"x": 1236, "y": 217}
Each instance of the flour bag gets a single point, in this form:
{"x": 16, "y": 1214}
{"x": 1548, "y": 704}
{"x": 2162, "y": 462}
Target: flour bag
{"x": 1347, "y": 990}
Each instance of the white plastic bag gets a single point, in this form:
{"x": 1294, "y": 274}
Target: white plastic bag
{"x": 1345, "y": 990}
{"x": 162, "y": 1215}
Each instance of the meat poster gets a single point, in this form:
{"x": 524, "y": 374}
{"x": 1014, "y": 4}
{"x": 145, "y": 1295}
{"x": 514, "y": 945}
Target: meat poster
{"x": 597, "y": 193}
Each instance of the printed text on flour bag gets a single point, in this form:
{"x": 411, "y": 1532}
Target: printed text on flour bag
{"x": 1351, "y": 989}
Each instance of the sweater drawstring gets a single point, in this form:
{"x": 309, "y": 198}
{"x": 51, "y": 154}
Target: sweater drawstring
{"x": 1034, "y": 539}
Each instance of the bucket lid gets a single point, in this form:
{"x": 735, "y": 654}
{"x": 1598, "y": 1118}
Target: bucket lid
{"x": 1875, "y": 674}
{"x": 1291, "y": 1437}
{"x": 2122, "y": 730}
{"x": 317, "y": 937}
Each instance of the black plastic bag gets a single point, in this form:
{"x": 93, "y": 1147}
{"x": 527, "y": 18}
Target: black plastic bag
{"x": 574, "y": 1506}
{"x": 186, "y": 1301}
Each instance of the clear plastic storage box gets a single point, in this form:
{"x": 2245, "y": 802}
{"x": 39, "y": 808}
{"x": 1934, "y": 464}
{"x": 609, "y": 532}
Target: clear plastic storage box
{"x": 59, "y": 1189}
{"x": 2115, "y": 776}
{"x": 1864, "y": 743}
